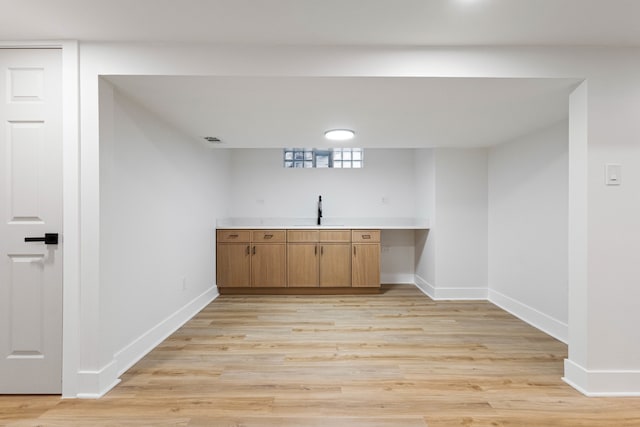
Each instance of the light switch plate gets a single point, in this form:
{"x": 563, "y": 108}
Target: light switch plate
{"x": 613, "y": 174}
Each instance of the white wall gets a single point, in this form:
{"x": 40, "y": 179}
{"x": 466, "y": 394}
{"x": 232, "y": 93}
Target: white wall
{"x": 453, "y": 263}
{"x": 578, "y": 230}
{"x": 160, "y": 196}
{"x": 613, "y": 228}
{"x": 262, "y": 188}
{"x": 425, "y": 182}
{"x": 397, "y": 256}
{"x": 461, "y": 222}
{"x": 528, "y": 228}
{"x": 607, "y": 358}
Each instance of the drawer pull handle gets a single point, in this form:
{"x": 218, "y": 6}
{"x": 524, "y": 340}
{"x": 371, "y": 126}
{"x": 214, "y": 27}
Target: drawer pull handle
{"x": 354, "y": 250}
{"x": 315, "y": 250}
{"x": 254, "y": 250}
{"x": 366, "y": 236}
{"x": 268, "y": 236}
{"x": 233, "y": 236}
{"x": 247, "y": 249}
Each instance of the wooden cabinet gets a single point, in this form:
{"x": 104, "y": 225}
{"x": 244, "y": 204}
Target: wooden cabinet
{"x": 298, "y": 259}
{"x": 268, "y": 263}
{"x": 233, "y": 264}
{"x": 318, "y": 258}
{"x": 365, "y": 258}
{"x": 268, "y": 236}
{"x": 335, "y": 265}
{"x": 303, "y": 258}
{"x": 366, "y": 236}
{"x": 303, "y": 265}
{"x": 251, "y": 258}
{"x": 268, "y": 258}
{"x": 233, "y": 258}
{"x": 335, "y": 261}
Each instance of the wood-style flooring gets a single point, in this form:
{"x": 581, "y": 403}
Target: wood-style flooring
{"x": 397, "y": 359}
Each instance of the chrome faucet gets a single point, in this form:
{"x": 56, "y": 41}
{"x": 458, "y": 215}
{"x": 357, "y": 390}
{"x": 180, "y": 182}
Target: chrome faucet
{"x": 319, "y": 209}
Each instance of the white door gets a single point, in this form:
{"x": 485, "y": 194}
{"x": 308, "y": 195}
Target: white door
{"x": 30, "y": 206}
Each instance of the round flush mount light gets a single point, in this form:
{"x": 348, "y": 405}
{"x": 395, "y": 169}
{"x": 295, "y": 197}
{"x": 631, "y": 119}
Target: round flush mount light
{"x": 339, "y": 134}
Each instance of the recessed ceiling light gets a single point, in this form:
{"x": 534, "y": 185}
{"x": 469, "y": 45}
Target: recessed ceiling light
{"x": 339, "y": 134}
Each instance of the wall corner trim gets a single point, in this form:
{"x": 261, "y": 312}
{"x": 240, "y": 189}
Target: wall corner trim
{"x": 535, "y": 318}
{"x": 602, "y": 383}
{"x": 95, "y": 384}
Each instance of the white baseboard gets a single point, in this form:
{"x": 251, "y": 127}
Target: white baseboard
{"x": 95, "y": 384}
{"x": 396, "y": 278}
{"x": 425, "y": 287}
{"x": 135, "y": 351}
{"x": 535, "y": 318}
{"x": 461, "y": 294}
{"x": 601, "y": 383}
{"x": 449, "y": 293}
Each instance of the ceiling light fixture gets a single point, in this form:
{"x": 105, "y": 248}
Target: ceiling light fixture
{"x": 339, "y": 134}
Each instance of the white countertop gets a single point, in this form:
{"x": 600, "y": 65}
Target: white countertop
{"x": 332, "y": 223}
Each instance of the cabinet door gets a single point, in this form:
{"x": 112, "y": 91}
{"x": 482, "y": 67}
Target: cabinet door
{"x": 302, "y": 264}
{"x": 335, "y": 265}
{"x": 366, "y": 265}
{"x": 232, "y": 265}
{"x": 268, "y": 265}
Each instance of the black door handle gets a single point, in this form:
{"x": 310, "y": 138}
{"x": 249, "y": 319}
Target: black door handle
{"x": 48, "y": 239}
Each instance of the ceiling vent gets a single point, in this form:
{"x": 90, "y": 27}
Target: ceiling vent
{"x": 213, "y": 139}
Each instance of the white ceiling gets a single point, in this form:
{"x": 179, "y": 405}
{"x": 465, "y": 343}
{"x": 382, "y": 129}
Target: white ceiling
{"x": 333, "y": 22}
{"x": 385, "y": 112}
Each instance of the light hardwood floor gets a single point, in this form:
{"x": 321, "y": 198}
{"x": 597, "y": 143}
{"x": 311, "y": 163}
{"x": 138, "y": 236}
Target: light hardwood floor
{"x": 396, "y": 359}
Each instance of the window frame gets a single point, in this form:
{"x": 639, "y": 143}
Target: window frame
{"x": 336, "y": 158}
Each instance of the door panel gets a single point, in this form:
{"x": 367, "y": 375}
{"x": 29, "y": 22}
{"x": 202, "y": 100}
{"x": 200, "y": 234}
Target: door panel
{"x": 233, "y": 265}
{"x": 366, "y": 265}
{"x": 26, "y": 287}
{"x": 30, "y": 206}
{"x": 268, "y": 265}
{"x": 335, "y": 265}
{"x": 302, "y": 265}
{"x": 25, "y": 148}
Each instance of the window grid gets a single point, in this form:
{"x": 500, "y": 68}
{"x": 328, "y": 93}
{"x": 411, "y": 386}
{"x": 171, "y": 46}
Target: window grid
{"x": 340, "y": 158}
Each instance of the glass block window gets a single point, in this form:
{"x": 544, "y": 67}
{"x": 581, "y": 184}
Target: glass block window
{"x": 343, "y": 158}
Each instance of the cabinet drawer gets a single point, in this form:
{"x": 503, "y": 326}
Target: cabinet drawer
{"x": 302, "y": 235}
{"x": 268, "y": 236}
{"x": 335, "y": 235}
{"x": 365, "y": 236}
{"x": 234, "y": 236}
